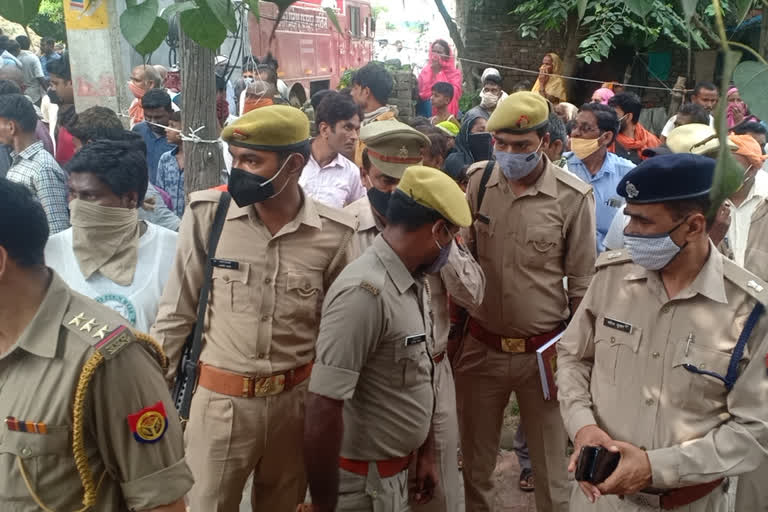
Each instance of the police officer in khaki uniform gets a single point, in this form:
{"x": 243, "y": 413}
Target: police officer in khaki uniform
{"x": 371, "y": 392}
{"x": 664, "y": 360}
{"x": 461, "y": 278}
{"x": 89, "y": 423}
{"x": 279, "y": 251}
{"x": 535, "y": 227}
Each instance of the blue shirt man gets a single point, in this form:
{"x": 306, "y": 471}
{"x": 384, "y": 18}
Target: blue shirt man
{"x": 48, "y": 55}
{"x": 157, "y": 112}
{"x": 594, "y": 130}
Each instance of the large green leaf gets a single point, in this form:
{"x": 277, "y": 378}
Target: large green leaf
{"x": 155, "y": 38}
{"x": 19, "y": 11}
{"x": 640, "y": 7}
{"x": 750, "y": 77}
{"x": 332, "y": 16}
{"x": 729, "y": 175}
{"x": 254, "y": 6}
{"x": 741, "y": 8}
{"x": 140, "y": 27}
{"x": 175, "y": 8}
{"x": 581, "y": 6}
{"x": 689, "y": 8}
{"x": 203, "y": 27}
{"x": 224, "y": 12}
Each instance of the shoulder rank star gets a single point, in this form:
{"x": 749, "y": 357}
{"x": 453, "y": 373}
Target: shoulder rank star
{"x": 149, "y": 424}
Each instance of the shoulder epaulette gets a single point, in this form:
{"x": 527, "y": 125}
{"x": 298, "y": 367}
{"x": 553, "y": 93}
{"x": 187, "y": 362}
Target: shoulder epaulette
{"x": 746, "y": 281}
{"x": 91, "y": 329}
{"x": 572, "y": 181}
{"x": 476, "y": 167}
{"x": 115, "y": 341}
{"x": 365, "y": 285}
{"x": 613, "y": 258}
{"x": 204, "y": 196}
{"x": 342, "y": 217}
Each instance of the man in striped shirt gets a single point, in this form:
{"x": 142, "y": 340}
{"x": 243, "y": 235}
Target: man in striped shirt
{"x": 32, "y": 166}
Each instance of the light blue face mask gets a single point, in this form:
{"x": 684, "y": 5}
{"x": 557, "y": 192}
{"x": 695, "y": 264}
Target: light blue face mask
{"x": 517, "y": 166}
{"x": 653, "y": 252}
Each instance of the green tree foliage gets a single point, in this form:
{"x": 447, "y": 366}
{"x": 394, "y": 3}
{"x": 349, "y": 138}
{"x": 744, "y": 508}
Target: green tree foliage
{"x": 49, "y": 21}
{"x": 604, "y": 22}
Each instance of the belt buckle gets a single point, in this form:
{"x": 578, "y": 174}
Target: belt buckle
{"x": 268, "y": 386}
{"x": 645, "y": 499}
{"x": 515, "y": 345}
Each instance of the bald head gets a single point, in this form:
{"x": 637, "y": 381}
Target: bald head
{"x": 146, "y": 77}
{"x": 13, "y": 74}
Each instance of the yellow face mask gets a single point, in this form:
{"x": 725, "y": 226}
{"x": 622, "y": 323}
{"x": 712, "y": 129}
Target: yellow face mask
{"x": 583, "y": 148}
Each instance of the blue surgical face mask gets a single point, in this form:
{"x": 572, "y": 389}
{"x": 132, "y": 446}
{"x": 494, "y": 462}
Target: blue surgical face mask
{"x": 517, "y": 166}
{"x": 442, "y": 258}
{"x": 653, "y": 252}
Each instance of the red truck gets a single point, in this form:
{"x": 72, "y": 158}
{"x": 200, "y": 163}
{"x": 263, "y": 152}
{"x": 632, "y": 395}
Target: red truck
{"x": 313, "y": 55}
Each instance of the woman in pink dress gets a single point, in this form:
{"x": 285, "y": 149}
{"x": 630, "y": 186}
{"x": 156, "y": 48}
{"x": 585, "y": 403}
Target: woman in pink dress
{"x": 441, "y": 68}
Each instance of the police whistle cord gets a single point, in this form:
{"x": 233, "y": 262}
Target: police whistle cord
{"x": 532, "y": 72}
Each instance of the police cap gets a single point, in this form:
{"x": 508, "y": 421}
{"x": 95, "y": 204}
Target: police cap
{"x": 435, "y": 190}
{"x": 272, "y": 128}
{"x": 521, "y": 112}
{"x": 393, "y": 146}
{"x": 668, "y": 178}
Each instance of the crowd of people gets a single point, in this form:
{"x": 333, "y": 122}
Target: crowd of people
{"x": 358, "y": 306}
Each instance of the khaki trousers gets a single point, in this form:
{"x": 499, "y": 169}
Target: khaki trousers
{"x": 229, "y": 438}
{"x": 716, "y": 501}
{"x": 485, "y": 378}
{"x": 448, "y": 496}
{"x": 372, "y": 493}
{"x": 752, "y": 490}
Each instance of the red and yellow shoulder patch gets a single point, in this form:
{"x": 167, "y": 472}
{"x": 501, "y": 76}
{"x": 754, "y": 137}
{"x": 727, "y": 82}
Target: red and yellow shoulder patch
{"x": 149, "y": 424}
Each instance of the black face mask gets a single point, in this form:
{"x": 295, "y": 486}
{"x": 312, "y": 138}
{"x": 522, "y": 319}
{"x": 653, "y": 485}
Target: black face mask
{"x": 379, "y": 200}
{"x": 247, "y": 188}
{"x": 54, "y": 97}
{"x": 480, "y": 146}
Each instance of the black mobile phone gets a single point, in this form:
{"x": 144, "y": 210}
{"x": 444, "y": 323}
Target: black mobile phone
{"x": 595, "y": 464}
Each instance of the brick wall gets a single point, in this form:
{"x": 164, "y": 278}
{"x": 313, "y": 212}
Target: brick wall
{"x": 492, "y": 35}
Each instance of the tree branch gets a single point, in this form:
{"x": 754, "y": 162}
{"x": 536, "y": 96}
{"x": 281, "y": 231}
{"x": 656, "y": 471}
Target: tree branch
{"x": 707, "y": 32}
{"x": 453, "y": 29}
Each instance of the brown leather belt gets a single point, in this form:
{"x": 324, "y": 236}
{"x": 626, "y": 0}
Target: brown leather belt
{"x": 512, "y": 345}
{"x": 439, "y": 357}
{"x": 387, "y": 468}
{"x": 674, "y": 498}
{"x": 234, "y": 384}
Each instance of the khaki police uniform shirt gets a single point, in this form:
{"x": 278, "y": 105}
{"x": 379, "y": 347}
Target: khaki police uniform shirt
{"x": 38, "y": 378}
{"x": 756, "y": 257}
{"x": 461, "y": 278}
{"x": 620, "y": 366}
{"x": 373, "y": 352}
{"x": 262, "y": 316}
{"x": 526, "y": 245}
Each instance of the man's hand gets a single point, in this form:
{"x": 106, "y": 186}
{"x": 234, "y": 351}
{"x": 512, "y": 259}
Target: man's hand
{"x": 423, "y": 487}
{"x": 590, "y": 435}
{"x": 633, "y": 473}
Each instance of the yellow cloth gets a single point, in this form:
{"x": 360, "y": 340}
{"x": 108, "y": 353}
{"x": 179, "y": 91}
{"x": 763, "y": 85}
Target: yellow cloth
{"x": 555, "y": 85}
{"x": 749, "y": 148}
{"x": 105, "y": 240}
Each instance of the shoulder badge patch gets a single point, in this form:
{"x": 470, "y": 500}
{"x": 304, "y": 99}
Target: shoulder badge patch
{"x": 149, "y": 424}
{"x": 613, "y": 258}
{"x": 365, "y": 285}
{"x": 115, "y": 341}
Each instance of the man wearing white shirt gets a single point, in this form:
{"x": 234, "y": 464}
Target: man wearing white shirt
{"x": 704, "y": 94}
{"x": 329, "y": 176}
{"x": 109, "y": 254}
